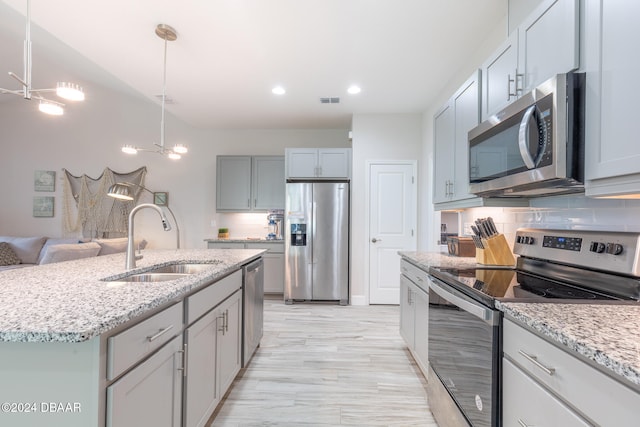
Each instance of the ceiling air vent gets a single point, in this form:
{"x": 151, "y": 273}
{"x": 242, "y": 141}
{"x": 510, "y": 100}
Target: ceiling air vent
{"x": 329, "y": 100}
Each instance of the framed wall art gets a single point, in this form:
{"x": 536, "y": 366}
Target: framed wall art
{"x": 161, "y": 198}
{"x": 43, "y": 206}
{"x": 44, "y": 181}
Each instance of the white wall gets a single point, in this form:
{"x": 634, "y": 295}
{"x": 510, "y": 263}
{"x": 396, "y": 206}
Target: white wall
{"x": 88, "y": 138}
{"x": 375, "y": 137}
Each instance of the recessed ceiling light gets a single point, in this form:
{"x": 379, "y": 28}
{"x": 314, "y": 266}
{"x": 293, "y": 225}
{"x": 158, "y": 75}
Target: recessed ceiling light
{"x": 278, "y": 90}
{"x": 353, "y": 89}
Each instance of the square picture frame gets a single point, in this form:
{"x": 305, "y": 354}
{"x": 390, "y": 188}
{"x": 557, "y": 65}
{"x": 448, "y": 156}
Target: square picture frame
{"x": 44, "y": 181}
{"x": 43, "y": 206}
{"x": 161, "y": 198}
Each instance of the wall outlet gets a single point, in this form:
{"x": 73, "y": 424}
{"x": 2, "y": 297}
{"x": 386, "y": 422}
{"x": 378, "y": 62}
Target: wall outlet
{"x": 467, "y": 229}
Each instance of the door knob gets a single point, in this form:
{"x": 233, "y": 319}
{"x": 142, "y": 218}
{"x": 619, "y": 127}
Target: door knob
{"x": 374, "y": 240}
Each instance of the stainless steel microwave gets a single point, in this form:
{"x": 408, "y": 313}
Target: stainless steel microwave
{"x": 535, "y": 146}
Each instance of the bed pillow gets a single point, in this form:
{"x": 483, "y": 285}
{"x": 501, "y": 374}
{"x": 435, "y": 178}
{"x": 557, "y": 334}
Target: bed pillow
{"x": 26, "y": 248}
{"x": 70, "y": 251}
{"x": 7, "y": 255}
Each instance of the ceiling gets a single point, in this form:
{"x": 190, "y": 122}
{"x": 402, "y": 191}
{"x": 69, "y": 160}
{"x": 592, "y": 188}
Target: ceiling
{"x": 230, "y": 53}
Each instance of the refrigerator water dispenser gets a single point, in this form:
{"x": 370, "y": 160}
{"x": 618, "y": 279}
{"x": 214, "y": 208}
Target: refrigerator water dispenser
{"x": 298, "y": 234}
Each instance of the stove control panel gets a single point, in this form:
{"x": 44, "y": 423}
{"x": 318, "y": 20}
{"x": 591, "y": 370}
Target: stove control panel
{"x": 561, "y": 242}
{"x": 601, "y": 250}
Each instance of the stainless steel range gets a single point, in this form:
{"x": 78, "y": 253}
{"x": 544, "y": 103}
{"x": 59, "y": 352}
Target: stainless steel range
{"x": 465, "y": 337}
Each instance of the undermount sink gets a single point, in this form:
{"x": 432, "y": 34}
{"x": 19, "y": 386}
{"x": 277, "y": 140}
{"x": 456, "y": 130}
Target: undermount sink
{"x": 165, "y": 273}
{"x": 182, "y": 268}
{"x": 152, "y": 277}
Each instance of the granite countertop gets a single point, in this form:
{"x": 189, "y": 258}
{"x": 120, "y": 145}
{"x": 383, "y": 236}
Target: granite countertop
{"x": 606, "y": 334}
{"x": 244, "y": 240}
{"x": 71, "y": 302}
{"x": 438, "y": 259}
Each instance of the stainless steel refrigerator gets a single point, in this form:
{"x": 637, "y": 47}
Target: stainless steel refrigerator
{"x": 317, "y": 242}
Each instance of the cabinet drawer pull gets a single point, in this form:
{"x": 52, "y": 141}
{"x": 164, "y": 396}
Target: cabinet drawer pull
{"x": 522, "y": 423}
{"x": 160, "y": 333}
{"x": 534, "y": 360}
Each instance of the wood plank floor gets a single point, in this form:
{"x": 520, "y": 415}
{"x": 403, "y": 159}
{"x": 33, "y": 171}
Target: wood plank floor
{"x": 328, "y": 365}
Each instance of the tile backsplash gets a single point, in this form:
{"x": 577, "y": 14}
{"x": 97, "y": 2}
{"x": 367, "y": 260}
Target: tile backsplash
{"x": 562, "y": 212}
{"x": 242, "y": 225}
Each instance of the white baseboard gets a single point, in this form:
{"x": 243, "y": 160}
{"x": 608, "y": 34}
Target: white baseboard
{"x": 359, "y": 300}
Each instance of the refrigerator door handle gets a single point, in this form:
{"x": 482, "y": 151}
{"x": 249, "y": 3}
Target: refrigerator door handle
{"x": 314, "y": 218}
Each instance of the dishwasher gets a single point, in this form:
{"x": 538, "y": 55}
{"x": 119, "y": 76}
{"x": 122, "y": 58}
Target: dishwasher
{"x": 252, "y": 308}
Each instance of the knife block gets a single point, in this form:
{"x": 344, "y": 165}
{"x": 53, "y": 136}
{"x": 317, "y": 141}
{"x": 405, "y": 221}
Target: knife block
{"x": 496, "y": 252}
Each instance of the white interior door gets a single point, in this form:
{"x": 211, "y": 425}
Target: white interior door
{"x": 392, "y": 226}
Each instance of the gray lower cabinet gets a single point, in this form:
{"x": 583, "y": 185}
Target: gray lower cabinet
{"x": 519, "y": 411}
{"x": 212, "y": 347}
{"x": 205, "y": 358}
{"x": 414, "y": 312}
{"x": 273, "y": 261}
{"x": 572, "y": 392}
{"x": 151, "y": 393}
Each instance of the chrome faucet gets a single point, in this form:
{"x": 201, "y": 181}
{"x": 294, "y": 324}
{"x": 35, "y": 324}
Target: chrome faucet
{"x": 131, "y": 256}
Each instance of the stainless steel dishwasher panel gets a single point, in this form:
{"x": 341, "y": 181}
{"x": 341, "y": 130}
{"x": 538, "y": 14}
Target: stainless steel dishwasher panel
{"x": 252, "y": 308}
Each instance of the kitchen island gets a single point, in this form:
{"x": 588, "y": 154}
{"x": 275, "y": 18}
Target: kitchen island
{"x": 72, "y": 334}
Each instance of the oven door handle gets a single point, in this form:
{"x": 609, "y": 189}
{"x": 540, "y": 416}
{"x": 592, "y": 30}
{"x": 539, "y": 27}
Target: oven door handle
{"x": 486, "y": 314}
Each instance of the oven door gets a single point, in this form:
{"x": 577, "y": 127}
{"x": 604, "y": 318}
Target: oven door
{"x": 464, "y": 352}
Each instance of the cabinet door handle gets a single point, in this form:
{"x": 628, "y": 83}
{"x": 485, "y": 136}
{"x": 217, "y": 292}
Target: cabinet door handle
{"x": 534, "y": 360}
{"x": 221, "y": 329}
{"x": 516, "y": 90}
{"x": 226, "y": 320}
{"x": 184, "y": 360}
{"x": 159, "y": 334}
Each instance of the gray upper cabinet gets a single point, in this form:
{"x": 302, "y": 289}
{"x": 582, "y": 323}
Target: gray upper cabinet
{"x": 451, "y": 125}
{"x": 268, "y": 182}
{"x": 612, "y": 151}
{"x": 249, "y": 183}
{"x": 499, "y": 77}
{"x": 444, "y": 154}
{"x": 546, "y": 43}
{"x": 452, "y": 166}
{"x": 233, "y": 183}
{"x": 318, "y": 163}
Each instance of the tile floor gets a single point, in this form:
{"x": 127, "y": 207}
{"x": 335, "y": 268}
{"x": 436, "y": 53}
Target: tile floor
{"x": 328, "y": 365}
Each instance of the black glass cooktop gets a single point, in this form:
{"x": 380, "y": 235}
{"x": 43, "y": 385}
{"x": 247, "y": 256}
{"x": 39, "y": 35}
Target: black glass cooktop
{"x": 488, "y": 285}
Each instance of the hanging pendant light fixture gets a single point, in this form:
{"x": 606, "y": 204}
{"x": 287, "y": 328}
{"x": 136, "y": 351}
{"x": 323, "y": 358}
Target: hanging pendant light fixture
{"x": 65, "y": 90}
{"x": 166, "y": 33}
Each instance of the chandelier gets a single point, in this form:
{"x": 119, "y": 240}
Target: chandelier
{"x": 65, "y": 90}
{"x": 166, "y": 33}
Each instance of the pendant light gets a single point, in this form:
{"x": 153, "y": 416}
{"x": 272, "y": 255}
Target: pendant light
{"x": 65, "y": 90}
{"x": 168, "y": 34}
